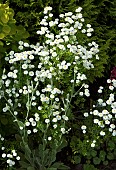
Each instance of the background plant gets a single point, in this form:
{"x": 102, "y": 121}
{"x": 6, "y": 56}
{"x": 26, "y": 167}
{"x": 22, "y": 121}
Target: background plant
{"x": 10, "y": 33}
{"x": 97, "y": 144}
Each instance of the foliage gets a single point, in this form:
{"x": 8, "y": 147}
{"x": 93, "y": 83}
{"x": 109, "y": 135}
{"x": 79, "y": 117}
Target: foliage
{"x": 10, "y": 33}
{"x": 97, "y": 144}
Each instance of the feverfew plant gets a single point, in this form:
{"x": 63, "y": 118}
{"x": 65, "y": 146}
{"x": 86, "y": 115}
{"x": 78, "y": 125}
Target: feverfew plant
{"x": 38, "y": 84}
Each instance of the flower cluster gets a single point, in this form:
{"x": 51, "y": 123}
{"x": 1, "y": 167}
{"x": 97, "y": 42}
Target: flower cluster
{"x": 104, "y": 112}
{"x": 34, "y": 86}
{"x": 11, "y": 157}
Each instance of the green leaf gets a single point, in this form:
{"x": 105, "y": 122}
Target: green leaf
{"x": 23, "y": 164}
{"x": 105, "y": 162}
{"x": 89, "y": 167}
{"x": 60, "y": 165}
{"x": 30, "y": 168}
{"x": 111, "y": 144}
{"x": 4, "y": 120}
{"x": 2, "y": 35}
{"x": 77, "y": 159}
{"x": 27, "y": 151}
{"x": 102, "y": 155}
{"x": 18, "y": 137}
{"x": 6, "y": 29}
{"x": 1, "y": 43}
{"x": 110, "y": 156}
{"x": 93, "y": 153}
{"x": 51, "y": 157}
{"x": 62, "y": 145}
{"x": 46, "y": 157}
{"x": 52, "y": 169}
{"x": 96, "y": 161}
{"x": 21, "y": 124}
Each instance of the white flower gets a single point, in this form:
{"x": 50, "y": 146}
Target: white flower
{"x": 25, "y": 72}
{"x": 83, "y": 127}
{"x": 47, "y": 121}
{"x": 88, "y": 26}
{"x": 114, "y": 111}
{"x": 105, "y": 112}
{"x": 21, "y": 128}
{"x": 102, "y": 133}
{"x": 86, "y": 114}
{"x": 93, "y": 145}
{"x": 31, "y": 57}
{"x": 46, "y": 9}
{"x": 31, "y": 73}
{"x": 95, "y": 112}
{"x": 81, "y": 93}
{"x": 27, "y": 123}
{"x": 50, "y": 15}
{"x": 18, "y": 158}
{"x": 54, "y": 54}
{"x": 39, "y": 107}
{"x": 107, "y": 122}
{"x": 52, "y": 96}
{"x": 109, "y": 102}
{"x": 78, "y": 9}
{"x": 94, "y": 141}
{"x": 3, "y": 155}
{"x": 28, "y": 132}
{"x": 35, "y": 130}
{"x": 65, "y": 117}
{"x": 63, "y": 130}
{"x": 112, "y": 126}
{"x": 100, "y": 91}
{"x": 31, "y": 119}
{"x": 3, "y": 148}
{"x": 111, "y": 87}
{"x": 54, "y": 126}
{"x": 114, "y": 82}
{"x": 25, "y": 91}
{"x": 33, "y": 123}
{"x": 10, "y": 74}
{"x": 2, "y": 139}
{"x": 24, "y": 66}
{"x": 4, "y": 76}
{"x": 14, "y": 154}
{"x": 15, "y": 113}
{"x": 61, "y": 15}
{"x": 100, "y": 114}
{"x": 37, "y": 93}
{"x": 96, "y": 121}
{"x": 89, "y": 34}
{"x": 84, "y": 131}
{"x": 110, "y": 129}
{"x": 103, "y": 104}
{"x": 20, "y": 47}
{"x": 108, "y": 81}
{"x": 54, "y": 120}
{"x": 58, "y": 117}
{"x": 49, "y": 138}
{"x": 100, "y": 101}
{"x": 114, "y": 133}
